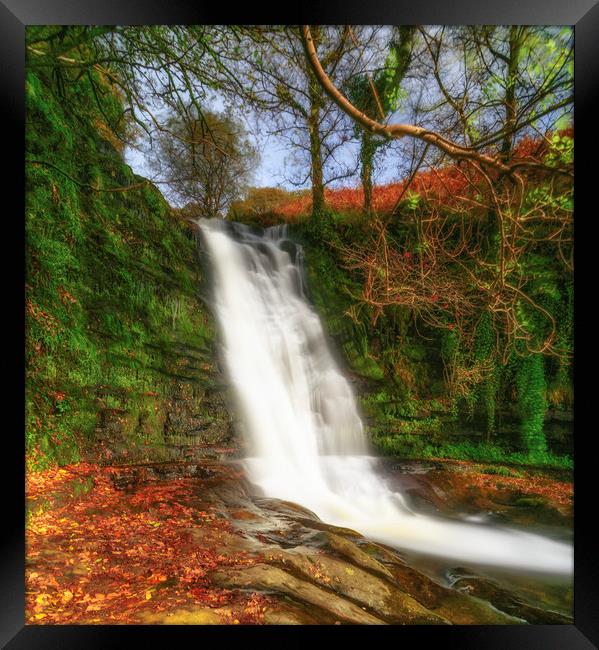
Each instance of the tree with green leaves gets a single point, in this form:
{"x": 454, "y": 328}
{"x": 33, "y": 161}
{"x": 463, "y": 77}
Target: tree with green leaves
{"x": 151, "y": 70}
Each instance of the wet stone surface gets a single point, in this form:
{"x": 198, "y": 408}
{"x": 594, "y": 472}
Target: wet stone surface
{"x": 335, "y": 573}
{"x": 278, "y": 561}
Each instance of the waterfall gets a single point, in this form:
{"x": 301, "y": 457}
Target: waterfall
{"x": 306, "y": 441}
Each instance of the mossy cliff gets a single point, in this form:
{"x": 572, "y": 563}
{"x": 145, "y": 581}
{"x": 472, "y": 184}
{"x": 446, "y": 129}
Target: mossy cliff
{"x": 120, "y": 352}
{"x": 520, "y": 414}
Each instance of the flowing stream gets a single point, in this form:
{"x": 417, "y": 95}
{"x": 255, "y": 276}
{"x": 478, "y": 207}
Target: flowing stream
{"x": 306, "y": 441}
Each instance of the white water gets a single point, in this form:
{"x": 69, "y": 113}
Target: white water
{"x": 306, "y": 439}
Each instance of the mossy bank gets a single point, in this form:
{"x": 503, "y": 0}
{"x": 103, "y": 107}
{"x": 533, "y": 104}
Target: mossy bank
{"x": 400, "y": 367}
{"x": 120, "y": 351}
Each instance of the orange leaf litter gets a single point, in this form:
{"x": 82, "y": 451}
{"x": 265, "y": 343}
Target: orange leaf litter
{"x": 105, "y": 556}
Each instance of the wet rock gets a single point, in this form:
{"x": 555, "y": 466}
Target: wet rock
{"x": 491, "y": 591}
{"x": 316, "y": 573}
{"x": 369, "y": 591}
{"x": 135, "y": 475}
{"x": 286, "y": 508}
{"x": 246, "y": 515}
{"x": 200, "y": 416}
{"x": 288, "y": 614}
{"x": 269, "y": 578}
{"x": 196, "y": 616}
{"x": 353, "y": 552}
{"x": 369, "y": 574}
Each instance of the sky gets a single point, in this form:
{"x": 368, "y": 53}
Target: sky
{"x": 275, "y": 156}
{"x": 275, "y": 160}
{"x": 272, "y": 155}
{"x": 275, "y": 153}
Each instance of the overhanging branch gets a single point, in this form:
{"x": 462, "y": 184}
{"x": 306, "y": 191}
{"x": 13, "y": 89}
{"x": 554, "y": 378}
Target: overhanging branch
{"x": 394, "y": 131}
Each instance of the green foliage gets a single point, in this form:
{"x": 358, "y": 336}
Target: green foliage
{"x": 111, "y": 277}
{"x": 420, "y": 447}
{"x": 387, "y": 80}
{"x": 389, "y": 407}
{"x": 561, "y": 150}
{"x": 484, "y": 352}
{"x": 449, "y": 345}
{"x": 411, "y": 203}
{"x": 401, "y": 373}
{"x": 260, "y": 205}
{"x": 501, "y": 470}
{"x": 530, "y": 383}
{"x": 206, "y": 159}
{"x": 322, "y": 227}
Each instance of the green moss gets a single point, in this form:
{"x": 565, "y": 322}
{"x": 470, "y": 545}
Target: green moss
{"x": 485, "y": 353}
{"x": 501, "y": 470}
{"x": 422, "y": 447}
{"x": 111, "y": 279}
{"x": 401, "y": 375}
{"x": 414, "y": 351}
{"x": 530, "y": 382}
{"x": 530, "y": 502}
{"x": 332, "y": 291}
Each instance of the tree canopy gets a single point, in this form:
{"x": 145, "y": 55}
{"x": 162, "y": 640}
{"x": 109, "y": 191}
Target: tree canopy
{"x": 207, "y": 164}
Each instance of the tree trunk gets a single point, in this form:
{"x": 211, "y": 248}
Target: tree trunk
{"x": 366, "y": 159}
{"x": 316, "y": 173}
{"x": 516, "y": 38}
{"x": 510, "y": 92}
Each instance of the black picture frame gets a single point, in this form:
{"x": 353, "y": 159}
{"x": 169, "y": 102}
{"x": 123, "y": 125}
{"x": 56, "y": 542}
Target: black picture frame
{"x": 14, "y": 16}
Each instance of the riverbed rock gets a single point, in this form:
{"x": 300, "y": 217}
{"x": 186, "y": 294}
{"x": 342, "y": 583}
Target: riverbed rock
{"x": 269, "y": 578}
{"x": 305, "y": 559}
{"x": 310, "y": 572}
{"x": 354, "y": 553}
{"x": 490, "y": 591}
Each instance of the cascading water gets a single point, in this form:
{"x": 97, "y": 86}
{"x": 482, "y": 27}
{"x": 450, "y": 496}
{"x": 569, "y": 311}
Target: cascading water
{"x": 306, "y": 439}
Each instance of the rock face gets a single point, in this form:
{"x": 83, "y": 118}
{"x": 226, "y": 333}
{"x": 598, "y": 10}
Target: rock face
{"x": 525, "y": 498}
{"x": 190, "y": 421}
{"x": 339, "y": 579}
{"x": 270, "y": 578}
{"x": 196, "y": 416}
